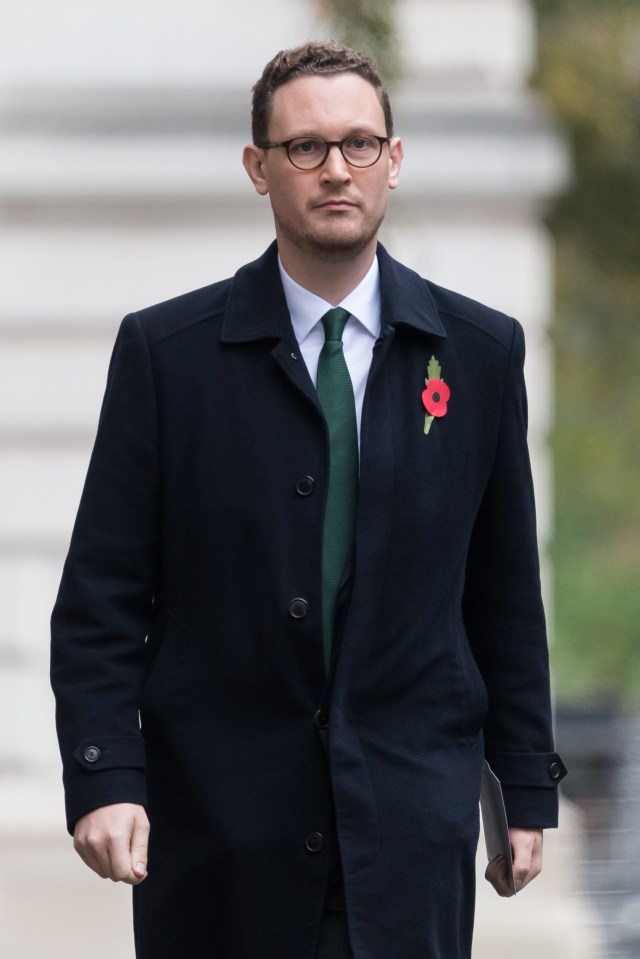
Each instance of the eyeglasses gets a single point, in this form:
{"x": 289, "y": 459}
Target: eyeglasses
{"x": 308, "y": 153}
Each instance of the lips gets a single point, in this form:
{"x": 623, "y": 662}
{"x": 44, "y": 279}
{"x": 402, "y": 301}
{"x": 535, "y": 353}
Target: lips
{"x": 337, "y": 203}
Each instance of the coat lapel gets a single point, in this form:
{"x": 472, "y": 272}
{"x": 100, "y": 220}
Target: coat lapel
{"x": 257, "y": 310}
{"x": 257, "y": 307}
{"x": 406, "y": 298}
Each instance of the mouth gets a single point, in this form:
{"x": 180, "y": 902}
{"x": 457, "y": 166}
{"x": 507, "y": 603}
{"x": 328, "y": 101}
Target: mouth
{"x": 336, "y": 206}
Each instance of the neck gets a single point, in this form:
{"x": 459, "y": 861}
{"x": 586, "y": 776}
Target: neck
{"x": 332, "y": 276}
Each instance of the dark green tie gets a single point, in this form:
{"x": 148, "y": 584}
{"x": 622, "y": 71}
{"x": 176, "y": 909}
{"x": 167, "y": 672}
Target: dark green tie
{"x": 335, "y": 393}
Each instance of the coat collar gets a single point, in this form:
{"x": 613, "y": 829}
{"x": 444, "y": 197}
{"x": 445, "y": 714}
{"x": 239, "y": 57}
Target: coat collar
{"x": 406, "y": 298}
{"x": 257, "y": 308}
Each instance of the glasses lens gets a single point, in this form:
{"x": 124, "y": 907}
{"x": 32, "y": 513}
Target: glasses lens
{"x": 307, "y": 152}
{"x": 361, "y": 150}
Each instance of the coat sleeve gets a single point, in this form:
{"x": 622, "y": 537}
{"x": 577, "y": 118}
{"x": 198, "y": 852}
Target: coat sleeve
{"x": 105, "y": 602}
{"x": 505, "y": 620}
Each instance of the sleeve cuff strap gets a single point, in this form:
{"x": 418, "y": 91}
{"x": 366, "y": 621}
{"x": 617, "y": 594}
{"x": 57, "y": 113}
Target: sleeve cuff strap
{"x": 529, "y": 770}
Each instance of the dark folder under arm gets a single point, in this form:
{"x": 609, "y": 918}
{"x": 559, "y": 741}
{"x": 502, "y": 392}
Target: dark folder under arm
{"x": 494, "y": 821}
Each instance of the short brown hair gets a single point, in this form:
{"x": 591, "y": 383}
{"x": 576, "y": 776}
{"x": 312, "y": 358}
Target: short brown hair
{"x": 311, "y": 59}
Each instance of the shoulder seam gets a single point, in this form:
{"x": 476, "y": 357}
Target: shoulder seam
{"x": 155, "y": 338}
{"x": 482, "y": 329}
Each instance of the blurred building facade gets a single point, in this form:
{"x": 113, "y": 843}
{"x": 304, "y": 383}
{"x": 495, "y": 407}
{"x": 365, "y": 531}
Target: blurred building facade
{"x": 121, "y": 129}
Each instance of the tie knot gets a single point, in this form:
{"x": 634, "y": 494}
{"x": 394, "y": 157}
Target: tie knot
{"x": 334, "y": 322}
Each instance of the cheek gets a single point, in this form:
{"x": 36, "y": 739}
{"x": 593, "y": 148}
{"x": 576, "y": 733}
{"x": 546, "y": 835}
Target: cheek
{"x": 375, "y": 192}
{"x": 286, "y": 196}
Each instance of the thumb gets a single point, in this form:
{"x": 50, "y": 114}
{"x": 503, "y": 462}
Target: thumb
{"x": 139, "y": 845}
{"x": 527, "y": 855}
{"x": 521, "y": 866}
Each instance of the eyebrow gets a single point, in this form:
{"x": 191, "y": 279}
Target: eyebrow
{"x": 353, "y": 131}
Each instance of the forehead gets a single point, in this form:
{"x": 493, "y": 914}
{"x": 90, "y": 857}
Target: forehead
{"x": 329, "y": 104}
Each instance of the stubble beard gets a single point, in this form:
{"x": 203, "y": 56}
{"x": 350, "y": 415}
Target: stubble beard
{"x": 327, "y": 244}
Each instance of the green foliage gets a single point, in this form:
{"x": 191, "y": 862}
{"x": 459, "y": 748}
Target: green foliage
{"x": 368, "y": 26}
{"x": 434, "y": 370}
{"x": 595, "y": 655}
{"x": 590, "y": 72}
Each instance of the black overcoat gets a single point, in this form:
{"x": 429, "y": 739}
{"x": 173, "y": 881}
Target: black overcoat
{"x": 187, "y": 635}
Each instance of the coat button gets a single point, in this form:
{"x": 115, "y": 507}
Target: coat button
{"x": 305, "y": 486}
{"x": 92, "y": 754}
{"x": 314, "y": 842}
{"x": 298, "y": 608}
{"x": 555, "y": 770}
{"x": 321, "y": 719}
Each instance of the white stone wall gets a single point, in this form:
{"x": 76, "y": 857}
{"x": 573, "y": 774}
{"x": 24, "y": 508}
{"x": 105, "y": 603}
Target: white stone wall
{"x": 121, "y": 129}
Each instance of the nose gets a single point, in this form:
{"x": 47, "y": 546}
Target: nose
{"x": 335, "y": 167}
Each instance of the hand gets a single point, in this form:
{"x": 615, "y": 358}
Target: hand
{"x": 526, "y": 845}
{"x": 113, "y": 840}
{"x": 527, "y": 855}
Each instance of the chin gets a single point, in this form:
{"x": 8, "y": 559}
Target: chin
{"x": 334, "y": 244}
{"x": 338, "y": 252}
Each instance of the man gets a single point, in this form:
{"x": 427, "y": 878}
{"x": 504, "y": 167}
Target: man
{"x": 302, "y": 598}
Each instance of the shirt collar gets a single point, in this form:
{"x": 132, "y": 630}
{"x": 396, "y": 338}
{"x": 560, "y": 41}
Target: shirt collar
{"x": 306, "y": 309}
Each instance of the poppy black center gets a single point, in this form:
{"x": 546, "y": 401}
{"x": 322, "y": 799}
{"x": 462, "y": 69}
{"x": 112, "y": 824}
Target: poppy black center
{"x": 436, "y": 397}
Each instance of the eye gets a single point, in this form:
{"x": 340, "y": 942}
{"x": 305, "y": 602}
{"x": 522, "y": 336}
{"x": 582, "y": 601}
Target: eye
{"x": 360, "y": 144}
{"x": 306, "y": 147}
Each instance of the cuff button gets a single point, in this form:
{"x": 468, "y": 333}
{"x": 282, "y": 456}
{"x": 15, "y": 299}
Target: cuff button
{"x": 92, "y": 754}
{"x": 555, "y": 770}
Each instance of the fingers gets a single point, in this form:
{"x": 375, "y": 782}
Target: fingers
{"x": 139, "y": 844}
{"x": 112, "y": 841}
{"x": 527, "y": 855}
{"x": 526, "y": 846}
{"x": 497, "y": 873}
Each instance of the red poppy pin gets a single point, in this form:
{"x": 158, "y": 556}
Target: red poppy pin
{"x": 436, "y": 396}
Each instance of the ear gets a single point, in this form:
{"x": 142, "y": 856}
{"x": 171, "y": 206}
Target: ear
{"x": 253, "y": 161}
{"x": 396, "y": 153}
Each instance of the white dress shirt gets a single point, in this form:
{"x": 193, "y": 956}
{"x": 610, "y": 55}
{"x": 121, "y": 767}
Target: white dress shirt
{"x": 360, "y": 333}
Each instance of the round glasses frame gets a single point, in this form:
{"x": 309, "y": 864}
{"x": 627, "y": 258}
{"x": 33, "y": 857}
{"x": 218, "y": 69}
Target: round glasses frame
{"x": 350, "y": 158}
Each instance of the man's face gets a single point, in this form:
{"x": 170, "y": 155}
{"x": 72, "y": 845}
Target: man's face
{"x": 334, "y": 211}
